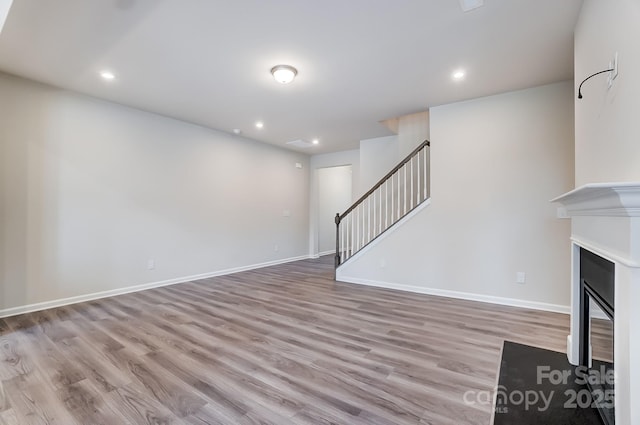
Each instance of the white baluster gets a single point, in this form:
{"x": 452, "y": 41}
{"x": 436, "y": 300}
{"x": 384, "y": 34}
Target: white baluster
{"x": 368, "y": 219}
{"x": 373, "y": 214}
{"x": 424, "y": 156}
{"x": 342, "y": 231}
{"x": 417, "y": 179}
{"x": 353, "y": 235}
{"x": 360, "y": 226}
{"x": 354, "y": 229}
{"x": 411, "y": 173}
{"x": 357, "y": 228}
{"x": 345, "y": 248}
{"x": 386, "y": 203}
{"x": 405, "y": 189}
{"x": 363, "y": 232}
{"x": 380, "y": 211}
{"x": 399, "y": 189}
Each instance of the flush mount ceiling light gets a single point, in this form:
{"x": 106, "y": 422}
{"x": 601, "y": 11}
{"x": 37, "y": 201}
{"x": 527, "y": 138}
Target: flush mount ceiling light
{"x": 259, "y": 124}
{"x": 284, "y": 74}
{"x": 107, "y": 75}
{"x": 315, "y": 141}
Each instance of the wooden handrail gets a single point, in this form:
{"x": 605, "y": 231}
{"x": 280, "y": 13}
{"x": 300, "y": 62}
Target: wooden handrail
{"x": 382, "y": 180}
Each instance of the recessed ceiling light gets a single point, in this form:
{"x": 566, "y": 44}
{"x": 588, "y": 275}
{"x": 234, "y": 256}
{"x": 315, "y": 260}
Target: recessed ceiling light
{"x": 284, "y": 74}
{"x": 236, "y": 131}
{"x": 315, "y": 141}
{"x": 107, "y": 75}
{"x": 259, "y": 124}
{"x": 458, "y": 75}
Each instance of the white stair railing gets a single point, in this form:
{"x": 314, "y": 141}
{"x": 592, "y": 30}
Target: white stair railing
{"x": 399, "y": 192}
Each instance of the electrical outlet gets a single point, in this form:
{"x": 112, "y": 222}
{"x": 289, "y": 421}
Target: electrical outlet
{"x": 276, "y": 248}
{"x": 520, "y": 277}
{"x": 151, "y": 264}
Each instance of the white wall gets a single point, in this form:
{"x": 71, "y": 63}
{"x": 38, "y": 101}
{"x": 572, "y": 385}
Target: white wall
{"x": 413, "y": 129}
{"x": 606, "y": 122}
{"x": 91, "y": 190}
{"x": 378, "y": 156}
{"x": 334, "y": 196}
{"x": 496, "y": 162}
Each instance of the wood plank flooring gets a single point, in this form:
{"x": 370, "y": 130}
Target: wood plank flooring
{"x": 280, "y": 345}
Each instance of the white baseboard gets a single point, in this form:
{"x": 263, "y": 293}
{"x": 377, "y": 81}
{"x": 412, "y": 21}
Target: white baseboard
{"x": 512, "y": 302}
{"x": 322, "y": 254}
{"x": 136, "y": 288}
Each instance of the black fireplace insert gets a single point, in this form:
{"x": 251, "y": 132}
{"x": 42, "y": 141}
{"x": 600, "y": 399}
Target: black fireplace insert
{"x": 597, "y": 286}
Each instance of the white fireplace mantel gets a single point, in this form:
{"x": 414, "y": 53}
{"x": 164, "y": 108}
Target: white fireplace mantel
{"x": 605, "y": 219}
{"x": 602, "y": 199}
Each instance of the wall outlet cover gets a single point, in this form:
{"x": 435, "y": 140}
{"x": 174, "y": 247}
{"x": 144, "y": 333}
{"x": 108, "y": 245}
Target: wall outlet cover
{"x": 561, "y": 212}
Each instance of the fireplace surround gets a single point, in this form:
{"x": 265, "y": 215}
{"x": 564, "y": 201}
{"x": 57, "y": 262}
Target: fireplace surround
{"x": 605, "y": 221}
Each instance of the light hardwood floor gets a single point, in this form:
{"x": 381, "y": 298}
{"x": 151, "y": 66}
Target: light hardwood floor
{"x": 280, "y": 345}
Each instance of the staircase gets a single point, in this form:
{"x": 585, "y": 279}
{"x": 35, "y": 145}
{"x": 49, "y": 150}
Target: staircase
{"x": 398, "y": 193}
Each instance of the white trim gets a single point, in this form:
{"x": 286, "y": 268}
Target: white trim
{"x": 604, "y": 253}
{"x": 321, "y": 254}
{"x": 136, "y": 288}
{"x": 603, "y": 199}
{"x": 572, "y": 356}
{"x": 388, "y": 231}
{"x": 512, "y": 302}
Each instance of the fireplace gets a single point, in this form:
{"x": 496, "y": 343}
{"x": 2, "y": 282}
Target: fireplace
{"x": 597, "y": 289}
{"x": 605, "y": 275}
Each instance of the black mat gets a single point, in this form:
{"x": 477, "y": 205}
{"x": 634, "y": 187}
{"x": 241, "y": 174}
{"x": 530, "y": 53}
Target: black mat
{"x": 523, "y": 373}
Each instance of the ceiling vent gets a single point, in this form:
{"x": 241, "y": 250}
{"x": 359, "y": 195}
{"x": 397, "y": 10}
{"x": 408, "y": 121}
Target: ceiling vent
{"x": 468, "y": 5}
{"x": 300, "y": 144}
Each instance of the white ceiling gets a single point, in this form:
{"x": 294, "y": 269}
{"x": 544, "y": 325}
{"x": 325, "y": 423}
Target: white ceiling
{"x": 359, "y": 61}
